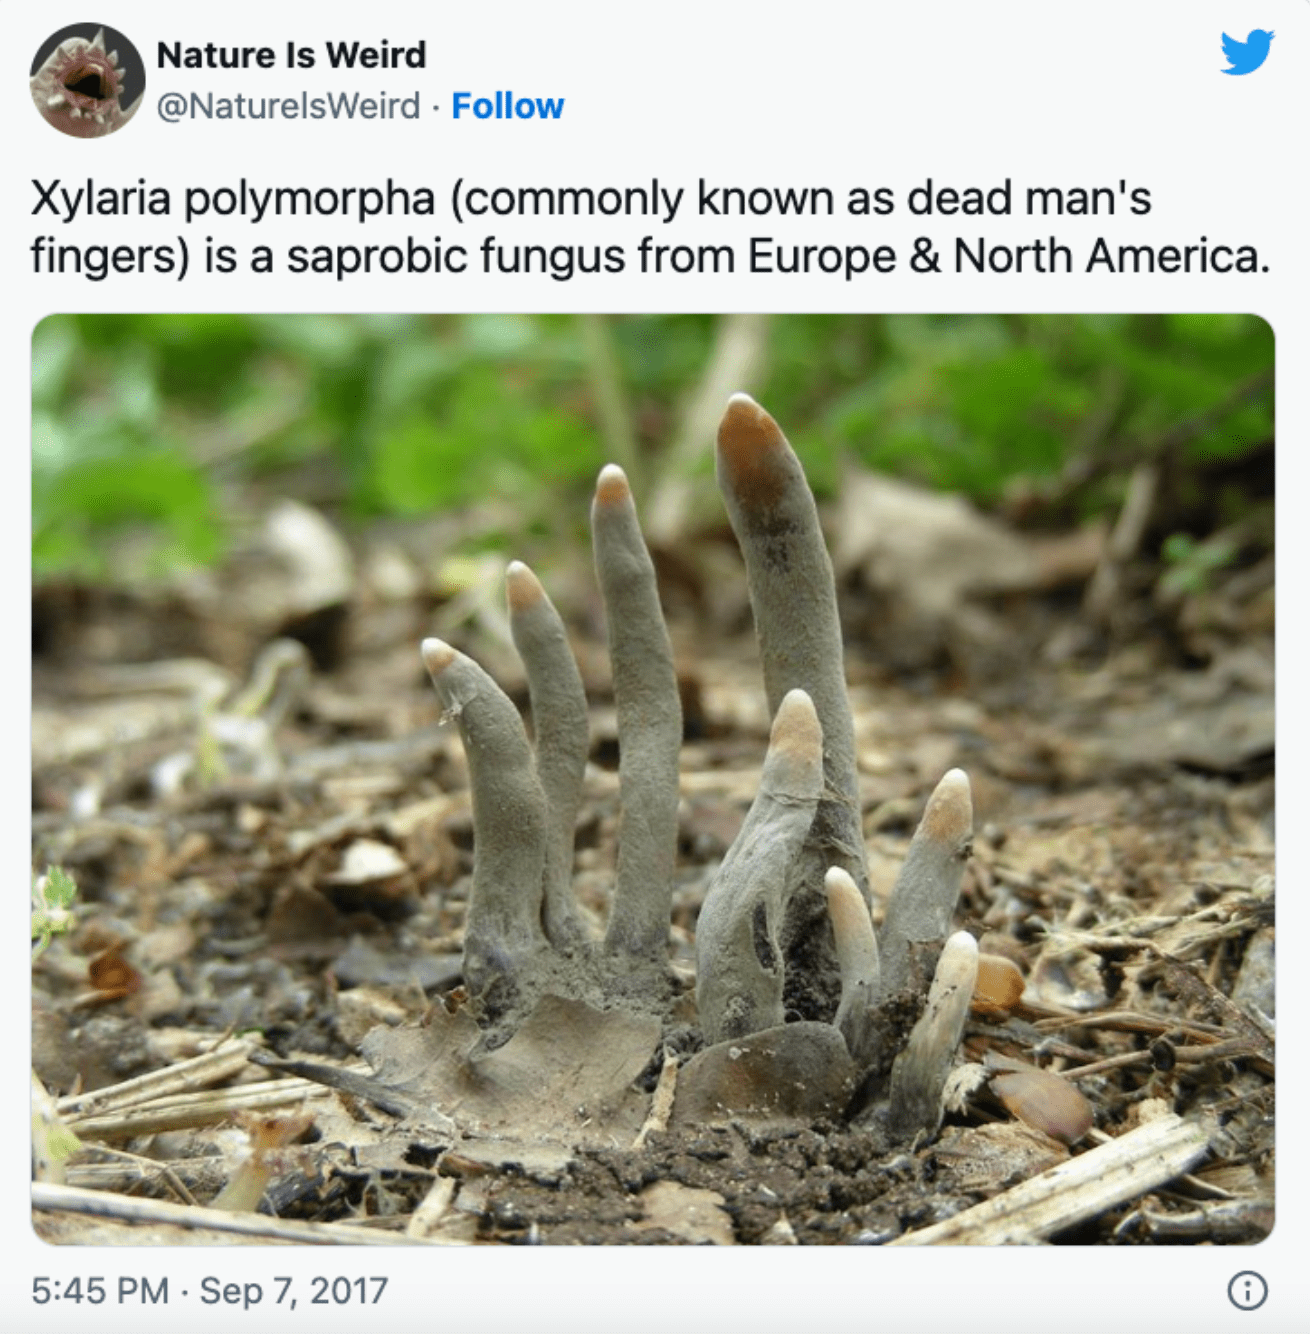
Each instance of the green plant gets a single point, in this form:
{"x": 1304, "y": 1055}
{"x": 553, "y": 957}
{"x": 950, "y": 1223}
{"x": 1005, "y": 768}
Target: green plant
{"x": 53, "y": 911}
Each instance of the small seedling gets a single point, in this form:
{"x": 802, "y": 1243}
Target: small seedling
{"x": 53, "y": 913}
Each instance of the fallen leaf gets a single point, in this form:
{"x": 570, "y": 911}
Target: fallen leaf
{"x": 793, "y": 1072}
{"x": 565, "y": 1077}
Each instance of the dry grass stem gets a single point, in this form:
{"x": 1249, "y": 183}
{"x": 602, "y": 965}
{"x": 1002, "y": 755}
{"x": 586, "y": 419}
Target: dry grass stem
{"x": 121, "y": 1208}
{"x": 1081, "y": 1188}
{"x": 225, "y": 1060}
{"x": 184, "y": 1110}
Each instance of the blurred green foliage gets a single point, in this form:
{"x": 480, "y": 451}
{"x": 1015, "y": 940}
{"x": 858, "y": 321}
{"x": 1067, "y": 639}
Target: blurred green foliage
{"x": 1189, "y": 563}
{"x": 152, "y": 428}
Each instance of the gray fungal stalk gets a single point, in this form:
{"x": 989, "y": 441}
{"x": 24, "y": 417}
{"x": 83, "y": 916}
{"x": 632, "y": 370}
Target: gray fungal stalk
{"x": 559, "y": 715}
{"x": 857, "y": 957}
{"x": 739, "y": 962}
{"x": 919, "y": 1074}
{"x": 649, "y": 722}
{"x": 504, "y": 941}
{"x": 523, "y": 935}
{"x": 794, "y": 602}
{"x": 926, "y": 891}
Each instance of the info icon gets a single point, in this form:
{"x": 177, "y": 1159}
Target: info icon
{"x": 87, "y": 80}
{"x": 1247, "y": 1291}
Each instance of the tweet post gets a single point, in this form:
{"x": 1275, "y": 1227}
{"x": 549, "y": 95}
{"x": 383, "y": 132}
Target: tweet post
{"x": 653, "y": 630}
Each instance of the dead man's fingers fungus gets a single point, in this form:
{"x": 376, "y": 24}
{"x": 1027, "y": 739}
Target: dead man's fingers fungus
{"x": 503, "y": 933}
{"x": 920, "y": 1071}
{"x": 794, "y": 602}
{"x": 857, "y": 957}
{"x": 559, "y": 723}
{"x": 924, "y": 896}
{"x": 740, "y": 969}
{"x": 785, "y": 930}
{"x": 649, "y": 723}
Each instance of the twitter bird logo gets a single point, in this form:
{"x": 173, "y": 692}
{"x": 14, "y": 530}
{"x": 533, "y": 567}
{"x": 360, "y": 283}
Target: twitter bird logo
{"x": 1248, "y": 55}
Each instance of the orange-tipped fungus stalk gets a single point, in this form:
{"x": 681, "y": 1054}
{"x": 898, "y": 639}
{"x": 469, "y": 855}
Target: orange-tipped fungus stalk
{"x": 739, "y": 961}
{"x": 649, "y": 721}
{"x": 559, "y": 713}
{"x": 924, "y": 896}
{"x": 919, "y": 1074}
{"x": 857, "y": 957}
{"x": 785, "y": 931}
{"x": 505, "y": 942}
{"x": 794, "y": 602}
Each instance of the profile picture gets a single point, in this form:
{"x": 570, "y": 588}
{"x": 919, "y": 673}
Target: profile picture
{"x": 87, "y": 80}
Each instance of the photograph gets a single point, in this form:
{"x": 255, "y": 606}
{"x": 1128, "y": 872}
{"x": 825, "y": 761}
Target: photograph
{"x": 684, "y": 779}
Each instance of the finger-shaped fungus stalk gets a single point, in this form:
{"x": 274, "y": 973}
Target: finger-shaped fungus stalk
{"x": 857, "y": 957}
{"x": 559, "y": 720}
{"x": 503, "y": 936}
{"x": 925, "y": 893}
{"x": 649, "y": 723}
{"x": 919, "y": 1074}
{"x": 794, "y": 601}
{"x": 739, "y": 964}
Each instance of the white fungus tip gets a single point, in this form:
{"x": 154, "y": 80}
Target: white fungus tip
{"x": 437, "y": 655}
{"x": 960, "y": 950}
{"x": 948, "y": 817}
{"x": 796, "y": 733}
{"x": 852, "y": 929}
{"x": 796, "y": 709}
{"x": 612, "y": 485}
{"x": 522, "y": 587}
